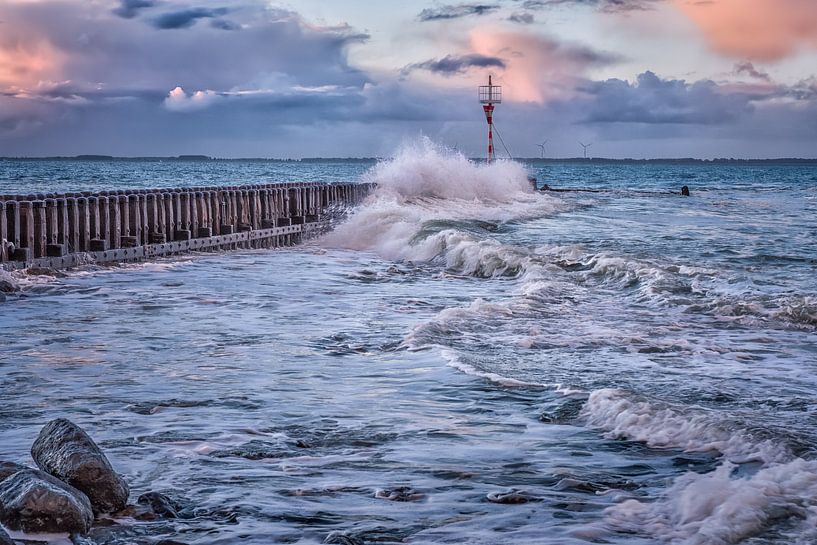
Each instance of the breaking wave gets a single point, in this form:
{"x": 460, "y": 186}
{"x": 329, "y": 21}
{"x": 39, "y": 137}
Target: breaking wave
{"x": 724, "y": 506}
{"x": 433, "y": 205}
{"x": 424, "y": 184}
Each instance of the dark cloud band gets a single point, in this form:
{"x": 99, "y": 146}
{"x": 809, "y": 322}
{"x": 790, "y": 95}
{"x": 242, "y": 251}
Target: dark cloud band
{"x": 456, "y": 11}
{"x": 128, "y": 9}
{"x": 455, "y": 64}
{"x": 186, "y": 18}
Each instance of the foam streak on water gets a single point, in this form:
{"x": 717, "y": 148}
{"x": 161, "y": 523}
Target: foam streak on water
{"x": 462, "y": 360}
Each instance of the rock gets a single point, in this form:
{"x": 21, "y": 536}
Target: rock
{"x": 4, "y": 538}
{"x": 7, "y": 469}
{"x": 512, "y": 496}
{"x": 160, "y": 504}
{"x": 401, "y": 493}
{"x": 339, "y": 538}
{"x": 43, "y": 271}
{"x": 65, "y": 451}
{"x": 254, "y": 450}
{"x": 34, "y": 501}
{"x": 7, "y": 286}
{"x": 136, "y": 512}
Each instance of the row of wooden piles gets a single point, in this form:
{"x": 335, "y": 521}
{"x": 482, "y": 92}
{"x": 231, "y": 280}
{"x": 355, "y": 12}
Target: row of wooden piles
{"x": 54, "y": 225}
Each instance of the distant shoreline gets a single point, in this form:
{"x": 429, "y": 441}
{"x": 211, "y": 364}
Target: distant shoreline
{"x": 598, "y": 160}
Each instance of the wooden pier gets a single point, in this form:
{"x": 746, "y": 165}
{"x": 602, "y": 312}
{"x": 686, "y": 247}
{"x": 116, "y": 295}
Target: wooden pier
{"x": 66, "y": 230}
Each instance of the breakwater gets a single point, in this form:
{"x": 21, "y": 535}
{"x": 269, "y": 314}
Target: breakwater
{"x": 70, "y": 229}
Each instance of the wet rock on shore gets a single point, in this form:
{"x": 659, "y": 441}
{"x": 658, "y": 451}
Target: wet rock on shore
{"x": 64, "y": 450}
{"x": 33, "y": 501}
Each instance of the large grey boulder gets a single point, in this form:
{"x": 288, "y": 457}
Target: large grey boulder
{"x": 34, "y": 501}
{"x": 7, "y": 469}
{"x": 64, "y": 450}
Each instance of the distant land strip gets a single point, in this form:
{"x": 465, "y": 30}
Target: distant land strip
{"x": 594, "y": 160}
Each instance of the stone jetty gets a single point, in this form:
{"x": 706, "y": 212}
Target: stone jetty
{"x": 65, "y": 230}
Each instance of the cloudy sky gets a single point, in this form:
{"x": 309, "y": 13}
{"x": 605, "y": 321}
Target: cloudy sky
{"x": 305, "y": 78}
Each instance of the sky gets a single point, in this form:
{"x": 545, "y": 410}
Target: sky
{"x": 309, "y": 78}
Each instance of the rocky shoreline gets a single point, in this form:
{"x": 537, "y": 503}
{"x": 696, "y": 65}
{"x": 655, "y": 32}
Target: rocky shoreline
{"x": 73, "y": 486}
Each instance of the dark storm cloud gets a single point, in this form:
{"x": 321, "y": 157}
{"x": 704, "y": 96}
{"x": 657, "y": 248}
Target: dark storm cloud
{"x": 224, "y": 24}
{"x": 282, "y": 86}
{"x": 119, "y": 55}
{"x": 456, "y": 64}
{"x": 119, "y": 67}
{"x": 521, "y": 18}
{"x": 607, "y": 6}
{"x": 804, "y": 90}
{"x": 749, "y": 69}
{"x": 128, "y": 9}
{"x": 456, "y": 11}
{"x": 186, "y": 18}
{"x": 652, "y": 100}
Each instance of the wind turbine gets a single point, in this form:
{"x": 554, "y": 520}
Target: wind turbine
{"x": 585, "y": 146}
{"x": 542, "y": 147}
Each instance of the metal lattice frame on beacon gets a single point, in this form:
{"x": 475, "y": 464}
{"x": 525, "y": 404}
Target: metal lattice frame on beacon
{"x": 488, "y": 96}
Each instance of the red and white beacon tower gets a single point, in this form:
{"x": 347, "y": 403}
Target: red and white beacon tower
{"x": 488, "y": 96}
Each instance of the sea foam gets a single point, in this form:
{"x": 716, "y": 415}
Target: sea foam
{"x": 425, "y": 182}
{"x": 716, "y": 508}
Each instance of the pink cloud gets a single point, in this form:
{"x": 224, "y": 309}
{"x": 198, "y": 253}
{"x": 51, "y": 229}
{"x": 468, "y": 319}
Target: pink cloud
{"x": 537, "y": 68}
{"x": 25, "y": 65}
{"x": 178, "y": 100}
{"x": 765, "y": 30}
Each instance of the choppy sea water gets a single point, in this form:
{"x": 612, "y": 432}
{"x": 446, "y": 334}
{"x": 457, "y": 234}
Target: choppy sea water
{"x": 462, "y": 360}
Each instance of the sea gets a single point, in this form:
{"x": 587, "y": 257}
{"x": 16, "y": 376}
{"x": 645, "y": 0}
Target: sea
{"x": 462, "y": 359}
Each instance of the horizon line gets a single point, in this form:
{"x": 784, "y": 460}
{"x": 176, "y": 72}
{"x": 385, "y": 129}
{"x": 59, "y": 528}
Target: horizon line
{"x": 204, "y": 158}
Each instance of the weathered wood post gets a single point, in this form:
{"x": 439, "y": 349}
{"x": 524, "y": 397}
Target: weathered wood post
{"x": 52, "y": 223}
{"x": 253, "y": 209}
{"x": 54, "y": 246}
{"x": 214, "y": 201}
{"x": 26, "y": 247}
{"x": 267, "y": 209}
{"x": 161, "y": 230}
{"x": 225, "y": 226}
{"x": 93, "y": 217}
{"x": 296, "y": 213}
{"x": 143, "y": 209}
{"x": 13, "y": 223}
{"x": 170, "y": 218}
{"x": 125, "y": 239}
{"x": 84, "y": 224}
{"x": 114, "y": 231}
{"x": 63, "y": 229}
{"x": 98, "y": 240}
{"x": 134, "y": 237}
{"x": 203, "y": 229}
{"x": 183, "y": 223}
{"x": 153, "y": 233}
{"x": 72, "y": 228}
{"x": 234, "y": 208}
{"x": 101, "y": 224}
{"x": 39, "y": 228}
{"x": 243, "y": 212}
{"x": 194, "y": 215}
{"x": 4, "y": 251}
